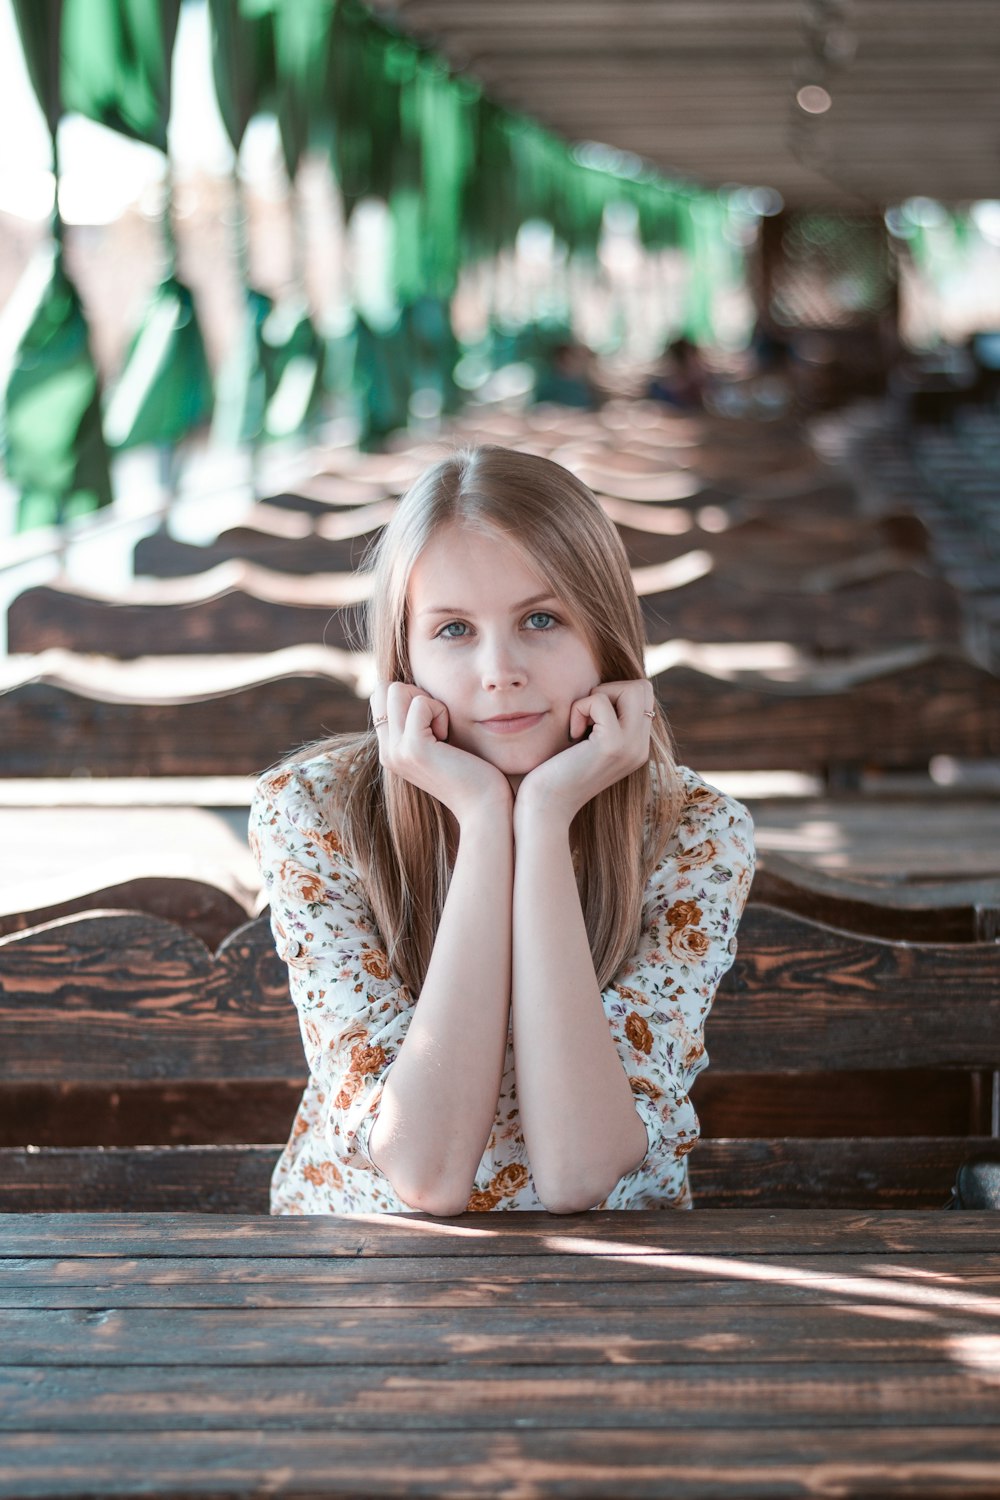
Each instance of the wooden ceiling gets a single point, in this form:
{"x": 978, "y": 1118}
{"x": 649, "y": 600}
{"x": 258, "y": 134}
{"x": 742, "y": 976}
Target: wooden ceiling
{"x": 706, "y": 89}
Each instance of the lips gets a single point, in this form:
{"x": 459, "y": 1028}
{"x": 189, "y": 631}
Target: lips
{"x": 511, "y": 723}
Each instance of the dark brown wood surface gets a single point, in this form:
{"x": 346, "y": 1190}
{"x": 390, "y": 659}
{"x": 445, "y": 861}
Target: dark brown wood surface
{"x": 893, "y": 711}
{"x": 795, "y": 1172}
{"x": 149, "y": 619}
{"x": 235, "y": 619}
{"x": 942, "y": 911}
{"x": 729, "y": 1353}
{"x": 896, "y": 608}
{"x": 238, "y": 727}
{"x": 125, "y": 996}
{"x": 120, "y": 998}
{"x": 898, "y": 716}
{"x": 901, "y": 605}
{"x": 163, "y": 556}
{"x": 203, "y": 908}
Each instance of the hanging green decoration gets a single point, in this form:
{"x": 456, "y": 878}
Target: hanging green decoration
{"x": 381, "y": 380}
{"x": 50, "y": 414}
{"x": 116, "y": 57}
{"x": 50, "y": 418}
{"x": 243, "y": 389}
{"x": 293, "y": 356}
{"x": 165, "y": 388}
{"x": 242, "y": 63}
{"x": 302, "y": 75}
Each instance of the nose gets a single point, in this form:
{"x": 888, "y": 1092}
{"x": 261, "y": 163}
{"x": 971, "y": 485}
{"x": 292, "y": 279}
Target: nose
{"x": 501, "y": 666}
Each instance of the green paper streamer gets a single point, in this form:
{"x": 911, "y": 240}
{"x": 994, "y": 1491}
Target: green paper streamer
{"x": 50, "y": 419}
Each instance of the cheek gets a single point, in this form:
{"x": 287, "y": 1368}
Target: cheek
{"x": 582, "y": 674}
{"x": 435, "y": 674}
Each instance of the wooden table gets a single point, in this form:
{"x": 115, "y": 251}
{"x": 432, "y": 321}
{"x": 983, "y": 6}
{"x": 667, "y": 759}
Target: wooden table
{"x": 690, "y": 1354}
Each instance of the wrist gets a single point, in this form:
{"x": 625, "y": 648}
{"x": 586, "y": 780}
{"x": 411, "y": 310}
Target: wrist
{"x": 487, "y": 814}
{"x": 542, "y": 814}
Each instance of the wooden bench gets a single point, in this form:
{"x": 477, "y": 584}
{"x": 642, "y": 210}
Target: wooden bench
{"x": 62, "y": 715}
{"x": 753, "y": 545}
{"x": 902, "y": 606}
{"x": 958, "y": 910}
{"x": 161, "y": 555}
{"x": 697, "y": 590}
{"x": 209, "y": 908}
{"x": 187, "y": 716}
{"x": 804, "y": 1031}
{"x": 236, "y": 607}
{"x": 893, "y": 711}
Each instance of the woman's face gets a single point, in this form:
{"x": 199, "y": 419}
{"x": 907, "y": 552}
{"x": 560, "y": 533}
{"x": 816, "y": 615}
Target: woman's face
{"x": 489, "y": 639}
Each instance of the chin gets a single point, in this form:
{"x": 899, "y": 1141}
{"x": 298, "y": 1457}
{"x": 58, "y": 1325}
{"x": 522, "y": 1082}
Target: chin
{"x": 519, "y": 763}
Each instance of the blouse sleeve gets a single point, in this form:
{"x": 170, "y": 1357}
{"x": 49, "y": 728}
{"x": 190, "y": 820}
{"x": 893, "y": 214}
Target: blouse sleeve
{"x": 353, "y": 1011}
{"x": 660, "y": 999}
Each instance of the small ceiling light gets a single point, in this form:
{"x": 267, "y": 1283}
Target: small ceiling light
{"x": 813, "y": 98}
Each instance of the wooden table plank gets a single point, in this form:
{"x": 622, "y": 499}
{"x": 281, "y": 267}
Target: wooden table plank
{"x": 939, "y": 1461}
{"x": 704, "y": 1231}
{"x": 483, "y": 1336}
{"x": 384, "y": 1399}
{"x": 586, "y": 1282}
{"x": 720, "y": 1352}
{"x": 394, "y": 1275}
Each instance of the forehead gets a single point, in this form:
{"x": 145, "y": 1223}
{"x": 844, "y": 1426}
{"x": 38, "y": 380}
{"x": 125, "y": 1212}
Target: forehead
{"x": 471, "y": 565}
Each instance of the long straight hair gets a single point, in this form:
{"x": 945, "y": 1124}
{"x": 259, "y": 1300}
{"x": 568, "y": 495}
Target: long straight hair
{"x": 397, "y": 836}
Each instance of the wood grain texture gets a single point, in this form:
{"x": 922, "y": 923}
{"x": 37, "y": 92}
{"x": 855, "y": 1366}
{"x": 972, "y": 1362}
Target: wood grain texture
{"x": 204, "y": 909}
{"x": 707, "y": 1232}
{"x": 940, "y": 1461}
{"x": 457, "y": 1279}
{"x": 800, "y": 1173}
{"x": 800, "y": 993}
{"x": 235, "y": 619}
{"x": 856, "y": 1461}
{"x": 900, "y": 717}
{"x": 901, "y": 606}
{"x": 377, "y": 1397}
{"x": 137, "y": 1179}
{"x": 177, "y": 1112}
{"x": 893, "y": 713}
{"x": 476, "y": 1337}
{"x": 565, "y": 1282}
{"x": 163, "y": 556}
{"x": 89, "y": 995}
{"x": 51, "y": 729}
{"x": 130, "y": 996}
{"x": 946, "y": 911}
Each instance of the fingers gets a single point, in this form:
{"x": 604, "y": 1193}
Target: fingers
{"x": 425, "y": 713}
{"x": 399, "y": 707}
{"x": 631, "y": 705}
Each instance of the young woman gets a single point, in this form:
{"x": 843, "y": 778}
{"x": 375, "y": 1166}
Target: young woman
{"x": 505, "y": 910}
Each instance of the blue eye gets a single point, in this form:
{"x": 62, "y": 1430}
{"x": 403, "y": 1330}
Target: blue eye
{"x": 541, "y": 620}
{"x": 453, "y": 625}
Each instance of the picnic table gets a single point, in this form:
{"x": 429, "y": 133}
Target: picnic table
{"x": 719, "y": 1352}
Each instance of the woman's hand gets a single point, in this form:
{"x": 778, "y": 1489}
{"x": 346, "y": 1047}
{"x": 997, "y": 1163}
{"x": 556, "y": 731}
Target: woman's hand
{"x": 619, "y": 717}
{"x": 412, "y": 731}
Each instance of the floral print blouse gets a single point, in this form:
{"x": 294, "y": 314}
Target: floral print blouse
{"x": 354, "y": 1012}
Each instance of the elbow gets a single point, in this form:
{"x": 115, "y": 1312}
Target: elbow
{"x": 570, "y": 1193}
{"x": 436, "y": 1200}
{"x": 436, "y": 1196}
{"x": 568, "y": 1196}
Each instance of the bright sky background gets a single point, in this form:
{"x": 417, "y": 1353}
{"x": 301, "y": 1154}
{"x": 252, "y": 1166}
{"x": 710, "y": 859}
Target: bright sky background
{"x": 104, "y": 172}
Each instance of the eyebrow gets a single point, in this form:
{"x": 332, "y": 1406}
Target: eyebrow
{"x": 449, "y": 609}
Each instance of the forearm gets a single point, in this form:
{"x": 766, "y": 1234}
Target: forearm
{"x": 440, "y": 1098}
{"x": 580, "y": 1125}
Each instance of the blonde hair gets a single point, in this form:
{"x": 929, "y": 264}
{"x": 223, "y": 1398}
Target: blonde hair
{"x": 396, "y": 835}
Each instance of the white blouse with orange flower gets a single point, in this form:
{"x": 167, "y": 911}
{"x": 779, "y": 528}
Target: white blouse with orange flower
{"x": 354, "y": 1011}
